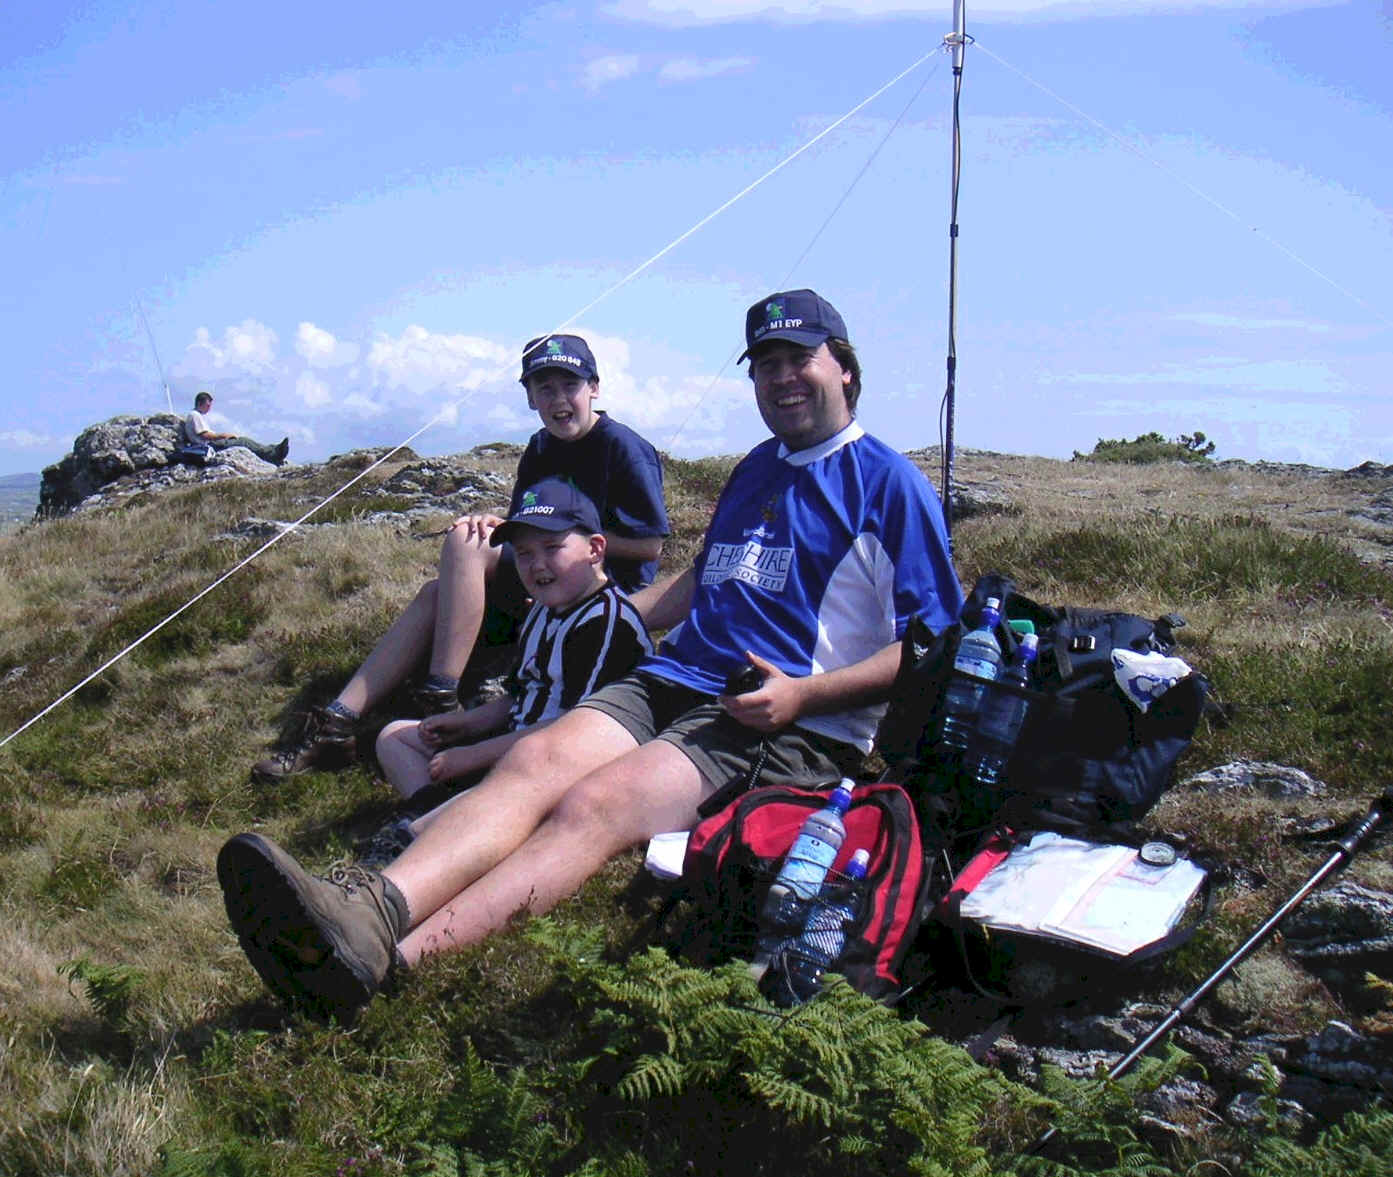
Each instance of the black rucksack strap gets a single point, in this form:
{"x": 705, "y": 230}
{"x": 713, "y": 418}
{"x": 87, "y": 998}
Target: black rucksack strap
{"x": 741, "y": 784}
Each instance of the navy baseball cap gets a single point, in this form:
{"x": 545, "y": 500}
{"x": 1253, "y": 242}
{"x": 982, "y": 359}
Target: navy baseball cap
{"x": 553, "y": 505}
{"x": 569, "y": 352}
{"x": 803, "y": 317}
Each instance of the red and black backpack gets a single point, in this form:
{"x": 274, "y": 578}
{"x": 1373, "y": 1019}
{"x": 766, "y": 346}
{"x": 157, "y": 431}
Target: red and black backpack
{"x": 733, "y": 855}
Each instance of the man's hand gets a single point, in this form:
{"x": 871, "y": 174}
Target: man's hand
{"x": 774, "y": 705}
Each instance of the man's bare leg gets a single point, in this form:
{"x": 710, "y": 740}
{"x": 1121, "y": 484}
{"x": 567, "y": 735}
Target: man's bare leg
{"x": 397, "y": 653}
{"x": 616, "y": 805}
{"x": 467, "y": 564}
{"x": 474, "y": 832}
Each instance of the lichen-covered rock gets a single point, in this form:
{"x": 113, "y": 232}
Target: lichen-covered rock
{"x": 1342, "y": 933}
{"x": 105, "y": 453}
{"x": 1256, "y": 776}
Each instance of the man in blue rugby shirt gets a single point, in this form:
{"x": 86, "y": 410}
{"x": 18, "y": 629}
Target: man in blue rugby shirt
{"x": 823, "y": 544}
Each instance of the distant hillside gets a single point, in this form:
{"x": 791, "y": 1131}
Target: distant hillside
{"x": 19, "y": 495}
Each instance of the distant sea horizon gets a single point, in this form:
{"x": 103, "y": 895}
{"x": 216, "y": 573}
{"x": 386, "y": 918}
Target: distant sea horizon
{"x": 19, "y": 498}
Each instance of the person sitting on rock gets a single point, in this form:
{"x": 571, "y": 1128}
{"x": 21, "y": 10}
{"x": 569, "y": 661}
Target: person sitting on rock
{"x": 478, "y": 588}
{"x": 581, "y": 633}
{"x": 196, "y": 432}
{"x": 823, "y": 544}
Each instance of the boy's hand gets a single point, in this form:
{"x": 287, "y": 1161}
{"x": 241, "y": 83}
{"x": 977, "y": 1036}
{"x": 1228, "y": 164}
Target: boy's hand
{"x": 435, "y": 730}
{"x": 774, "y": 705}
{"x": 451, "y": 763}
{"x": 476, "y": 527}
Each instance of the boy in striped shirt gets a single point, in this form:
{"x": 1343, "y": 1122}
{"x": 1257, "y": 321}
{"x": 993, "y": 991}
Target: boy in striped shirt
{"x": 581, "y": 633}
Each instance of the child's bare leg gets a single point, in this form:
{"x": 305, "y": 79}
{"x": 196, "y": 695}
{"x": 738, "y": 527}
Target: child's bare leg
{"x": 405, "y": 759}
{"x": 467, "y": 564}
{"x": 397, "y": 653}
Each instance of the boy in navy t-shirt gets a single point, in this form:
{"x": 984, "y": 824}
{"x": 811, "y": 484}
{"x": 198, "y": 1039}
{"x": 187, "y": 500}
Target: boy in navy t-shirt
{"x": 612, "y": 465}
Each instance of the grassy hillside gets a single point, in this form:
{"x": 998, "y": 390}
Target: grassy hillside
{"x": 134, "y": 1038}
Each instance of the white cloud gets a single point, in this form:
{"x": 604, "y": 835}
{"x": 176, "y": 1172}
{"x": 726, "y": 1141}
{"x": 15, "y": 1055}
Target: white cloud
{"x": 23, "y": 439}
{"x": 363, "y": 406}
{"x": 687, "y": 69}
{"x": 1294, "y": 376}
{"x": 249, "y": 347}
{"x": 1249, "y": 322}
{"x": 695, "y": 12}
{"x": 320, "y": 349}
{"x": 601, "y": 71}
{"x": 685, "y": 413}
{"x": 312, "y": 390}
{"x": 420, "y": 361}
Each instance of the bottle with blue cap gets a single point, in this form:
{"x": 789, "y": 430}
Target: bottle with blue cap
{"x": 800, "y": 878}
{"x": 819, "y": 947}
{"x": 1002, "y": 716}
{"x": 979, "y": 654}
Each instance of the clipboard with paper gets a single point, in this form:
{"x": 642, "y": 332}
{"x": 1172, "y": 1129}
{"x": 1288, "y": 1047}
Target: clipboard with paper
{"x": 1106, "y": 898}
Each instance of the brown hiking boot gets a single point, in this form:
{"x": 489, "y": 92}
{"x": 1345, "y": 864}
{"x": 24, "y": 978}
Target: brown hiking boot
{"x": 327, "y": 941}
{"x": 327, "y": 742}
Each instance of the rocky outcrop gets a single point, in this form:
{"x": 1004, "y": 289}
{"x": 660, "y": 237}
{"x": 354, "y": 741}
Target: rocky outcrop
{"x": 1304, "y": 1079}
{"x": 130, "y": 454}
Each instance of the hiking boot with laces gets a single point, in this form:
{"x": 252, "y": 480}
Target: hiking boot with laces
{"x": 387, "y": 844}
{"x": 328, "y": 741}
{"x": 327, "y": 941}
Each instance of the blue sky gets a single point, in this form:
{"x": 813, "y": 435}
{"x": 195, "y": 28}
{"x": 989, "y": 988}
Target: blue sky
{"x": 343, "y": 219}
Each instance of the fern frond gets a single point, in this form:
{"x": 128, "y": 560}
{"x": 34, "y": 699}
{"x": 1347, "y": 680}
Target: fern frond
{"x": 794, "y": 1098}
{"x": 650, "y": 1076}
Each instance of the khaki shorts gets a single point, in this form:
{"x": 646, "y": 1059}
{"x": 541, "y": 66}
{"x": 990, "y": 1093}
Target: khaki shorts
{"x": 651, "y": 708}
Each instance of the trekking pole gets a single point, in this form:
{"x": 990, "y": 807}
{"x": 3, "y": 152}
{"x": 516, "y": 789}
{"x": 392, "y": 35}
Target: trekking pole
{"x": 1379, "y": 811}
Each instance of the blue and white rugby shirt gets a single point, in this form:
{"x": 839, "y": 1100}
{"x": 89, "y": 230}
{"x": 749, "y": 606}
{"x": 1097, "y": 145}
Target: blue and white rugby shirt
{"x": 815, "y": 559}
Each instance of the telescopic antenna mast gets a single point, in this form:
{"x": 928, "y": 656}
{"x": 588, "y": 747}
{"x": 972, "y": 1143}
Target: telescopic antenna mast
{"x": 169, "y": 400}
{"x": 957, "y": 41}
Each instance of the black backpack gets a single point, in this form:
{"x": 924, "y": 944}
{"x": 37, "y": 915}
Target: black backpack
{"x": 1087, "y": 763}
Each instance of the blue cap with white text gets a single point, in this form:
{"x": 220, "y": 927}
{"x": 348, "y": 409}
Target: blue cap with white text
{"x": 803, "y": 317}
{"x": 553, "y": 504}
{"x": 570, "y": 353}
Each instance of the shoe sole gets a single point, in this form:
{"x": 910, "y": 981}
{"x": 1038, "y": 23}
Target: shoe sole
{"x": 299, "y": 957}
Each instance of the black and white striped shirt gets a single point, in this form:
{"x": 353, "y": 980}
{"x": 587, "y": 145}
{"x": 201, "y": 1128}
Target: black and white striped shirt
{"x": 562, "y": 657}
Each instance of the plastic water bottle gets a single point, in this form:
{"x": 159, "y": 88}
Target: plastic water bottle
{"x": 1001, "y": 718}
{"x": 824, "y": 933}
{"x": 800, "y": 878}
{"x": 979, "y": 654}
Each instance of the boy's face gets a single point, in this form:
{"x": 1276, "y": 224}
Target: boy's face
{"x": 558, "y": 568}
{"x": 564, "y": 401}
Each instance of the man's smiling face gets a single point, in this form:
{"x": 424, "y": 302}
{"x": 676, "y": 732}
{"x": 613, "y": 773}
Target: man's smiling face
{"x": 564, "y": 401}
{"x": 800, "y": 391}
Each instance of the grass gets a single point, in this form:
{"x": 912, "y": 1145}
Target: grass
{"x": 136, "y": 1040}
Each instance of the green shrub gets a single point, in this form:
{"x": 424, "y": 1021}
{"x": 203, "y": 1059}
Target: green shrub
{"x": 1150, "y": 447}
